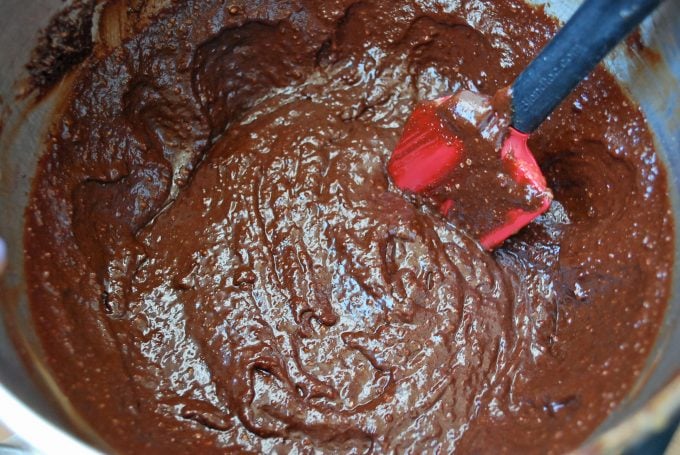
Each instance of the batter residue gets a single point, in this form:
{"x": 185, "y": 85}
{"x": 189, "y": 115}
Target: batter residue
{"x": 217, "y": 260}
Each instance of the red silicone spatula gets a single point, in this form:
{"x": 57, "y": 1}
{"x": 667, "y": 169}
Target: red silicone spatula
{"x": 460, "y": 154}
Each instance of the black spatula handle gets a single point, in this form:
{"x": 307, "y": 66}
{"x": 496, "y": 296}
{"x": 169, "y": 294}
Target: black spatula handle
{"x": 595, "y": 28}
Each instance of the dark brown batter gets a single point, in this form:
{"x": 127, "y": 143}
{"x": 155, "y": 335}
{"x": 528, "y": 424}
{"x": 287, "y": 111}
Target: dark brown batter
{"x": 217, "y": 261}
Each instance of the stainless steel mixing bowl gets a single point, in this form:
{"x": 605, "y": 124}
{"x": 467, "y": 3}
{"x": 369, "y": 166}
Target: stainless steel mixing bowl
{"x": 33, "y": 407}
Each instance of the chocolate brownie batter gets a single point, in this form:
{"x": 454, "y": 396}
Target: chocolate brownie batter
{"x": 217, "y": 261}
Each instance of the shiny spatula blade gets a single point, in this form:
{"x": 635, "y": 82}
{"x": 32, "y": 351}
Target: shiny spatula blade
{"x": 426, "y": 152}
{"x": 445, "y": 147}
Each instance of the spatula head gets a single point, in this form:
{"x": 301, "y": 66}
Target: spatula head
{"x": 460, "y": 157}
{"x": 426, "y": 152}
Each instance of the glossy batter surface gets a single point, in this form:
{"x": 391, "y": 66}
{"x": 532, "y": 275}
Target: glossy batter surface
{"x": 217, "y": 260}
